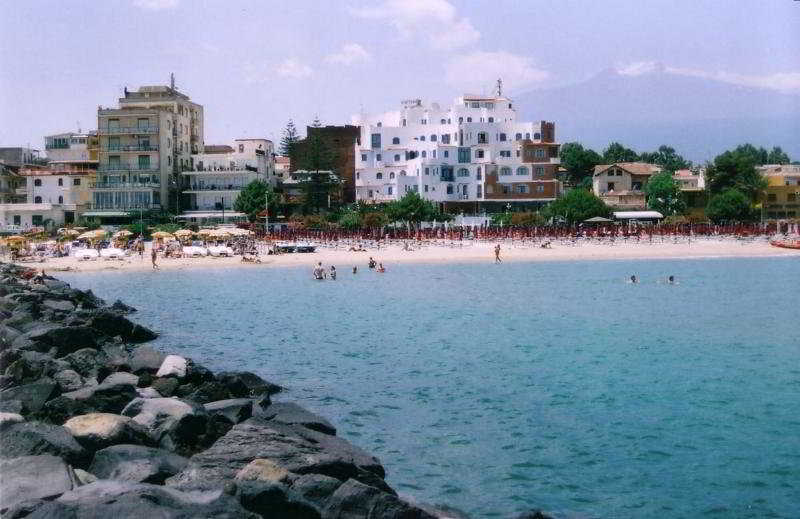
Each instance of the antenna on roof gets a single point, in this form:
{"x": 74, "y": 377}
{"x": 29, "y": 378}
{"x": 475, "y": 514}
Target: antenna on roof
{"x": 499, "y": 87}
{"x": 172, "y": 80}
{"x": 79, "y": 127}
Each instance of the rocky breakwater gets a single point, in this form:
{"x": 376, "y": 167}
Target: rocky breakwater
{"x": 94, "y": 423}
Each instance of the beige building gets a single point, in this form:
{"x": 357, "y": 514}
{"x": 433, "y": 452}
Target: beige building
{"x": 144, "y": 145}
{"x": 622, "y": 184}
{"x": 782, "y": 197}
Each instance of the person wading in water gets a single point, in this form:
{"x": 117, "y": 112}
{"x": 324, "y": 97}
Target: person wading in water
{"x": 154, "y": 257}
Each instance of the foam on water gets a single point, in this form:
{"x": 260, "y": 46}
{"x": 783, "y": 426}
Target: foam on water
{"x": 500, "y": 388}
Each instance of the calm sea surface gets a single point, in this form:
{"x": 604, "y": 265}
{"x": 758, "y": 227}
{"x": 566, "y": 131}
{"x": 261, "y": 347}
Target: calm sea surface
{"x": 500, "y": 388}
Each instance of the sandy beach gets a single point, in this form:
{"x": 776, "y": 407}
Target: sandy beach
{"x": 454, "y": 253}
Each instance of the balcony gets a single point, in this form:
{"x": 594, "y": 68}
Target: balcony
{"x": 125, "y": 185}
{"x": 226, "y": 187}
{"x": 123, "y": 207}
{"x": 133, "y": 130}
{"x": 126, "y": 168}
{"x": 447, "y": 178}
{"x": 149, "y": 147}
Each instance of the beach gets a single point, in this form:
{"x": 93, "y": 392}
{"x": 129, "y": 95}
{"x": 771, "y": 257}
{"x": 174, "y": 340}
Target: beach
{"x": 446, "y": 252}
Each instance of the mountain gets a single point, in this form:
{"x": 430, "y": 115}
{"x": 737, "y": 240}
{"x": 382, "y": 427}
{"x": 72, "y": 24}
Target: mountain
{"x": 699, "y": 117}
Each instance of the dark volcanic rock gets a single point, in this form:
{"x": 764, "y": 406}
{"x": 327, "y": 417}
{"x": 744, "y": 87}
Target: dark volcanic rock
{"x": 209, "y": 391}
{"x": 244, "y": 384}
{"x": 274, "y": 500}
{"x": 166, "y": 386}
{"x": 119, "y": 499}
{"x": 34, "y": 438}
{"x": 534, "y": 514}
{"x": 357, "y": 500}
{"x": 33, "y": 477}
{"x": 176, "y": 425}
{"x": 234, "y": 410}
{"x": 122, "y": 308}
{"x": 65, "y": 339}
{"x": 32, "y": 396}
{"x": 68, "y": 380}
{"x": 292, "y": 414}
{"x": 112, "y": 324}
{"x": 103, "y": 398}
{"x": 136, "y": 463}
{"x": 293, "y": 448}
{"x": 146, "y": 359}
{"x": 315, "y": 488}
{"x": 32, "y": 365}
{"x": 89, "y": 362}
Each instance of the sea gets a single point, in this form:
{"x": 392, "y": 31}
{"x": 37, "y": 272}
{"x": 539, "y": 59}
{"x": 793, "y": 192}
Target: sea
{"x": 498, "y": 389}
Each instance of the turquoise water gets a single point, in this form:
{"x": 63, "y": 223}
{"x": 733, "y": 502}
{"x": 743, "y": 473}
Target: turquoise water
{"x": 500, "y": 388}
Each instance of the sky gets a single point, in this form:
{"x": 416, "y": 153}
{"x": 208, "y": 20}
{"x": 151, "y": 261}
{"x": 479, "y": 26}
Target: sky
{"x": 255, "y": 64}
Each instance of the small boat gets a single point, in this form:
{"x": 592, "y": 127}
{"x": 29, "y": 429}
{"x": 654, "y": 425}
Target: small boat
{"x": 304, "y": 247}
{"x": 786, "y": 244}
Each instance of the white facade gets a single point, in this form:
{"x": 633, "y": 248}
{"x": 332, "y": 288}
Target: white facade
{"x": 216, "y": 179}
{"x": 446, "y": 153}
{"x": 68, "y": 147}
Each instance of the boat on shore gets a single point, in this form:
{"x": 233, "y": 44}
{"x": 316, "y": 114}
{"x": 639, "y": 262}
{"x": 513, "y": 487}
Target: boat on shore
{"x": 786, "y": 244}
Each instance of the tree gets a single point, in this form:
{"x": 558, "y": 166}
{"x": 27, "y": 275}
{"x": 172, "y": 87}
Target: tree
{"x": 350, "y": 220}
{"x": 576, "y": 206}
{"x": 737, "y": 169}
{"x": 578, "y": 161}
{"x": 374, "y": 219}
{"x": 413, "y": 209}
{"x": 664, "y": 194}
{"x": 730, "y": 205}
{"x": 314, "y": 155}
{"x": 253, "y": 199}
{"x": 616, "y": 152}
{"x": 289, "y": 138}
{"x": 667, "y": 158}
{"x": 778, "y": 156}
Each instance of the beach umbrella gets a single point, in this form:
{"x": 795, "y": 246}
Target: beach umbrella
{"x": 159, "y": 235}
{"x": 68, "y": 232}
{"x": 183, "y": 233}
{"x": 93, "y": 235}
{"x": 123, "y": 234}
{"x": 15, "y": 239}
{"x": 220, "y": 233}
{"x": 598, "y": 219}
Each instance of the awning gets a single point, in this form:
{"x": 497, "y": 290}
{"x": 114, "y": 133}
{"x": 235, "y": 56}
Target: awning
{"x": 106, "y": 213}
{"x": 637, "y": 215}
{"x": 598, "y": 219}
{"x": 217, "y": 214}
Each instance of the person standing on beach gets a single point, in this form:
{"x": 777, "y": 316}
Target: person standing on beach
{"x": 497, "y": 254}
{"x": 140, "y": 248}
{"x": 154, "y": 257}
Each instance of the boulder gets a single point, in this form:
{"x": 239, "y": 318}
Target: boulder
{"x": 270, "y": 499}
{"x": 103, "y": 398}
{"x": 112, "y": 324}
{"x": 315, "y": 488}
{"x": 136, "y": 463}
{"x": 173, "y": 366}
{"x": 533, "y": 514}
{"x": 64, "y": 339}
{"x": 244, "y": 384}
{"x": 32, "y": 396}
{"x": 33, "y": 477}
{"x": 121, "y": 377}
{"x": 68, "y": 380}
{"x": 7, "y": 419}
{"x": 208, "y": 391}
{"x": 176, "y": 425}
{"x": 233, "y": 410}
{"x": 58, "y": 306}
{"x": 10, "y": 406}
{"x": 166, "y": 386}
{"x": 147, "y": 392}
{"x": 89, "y": 362}
{"x": 291, "y": 447}
{"x": 32, "y": 365}
{"x": 118, "y": 358}
{"x": 146, "y": 359}
{"x": 121, "y": 499}
{"x": 34, "y": 438}
{"x": 293, "y": 414}
{"x": 354, "y": 499}
{"x": 197, "y": 373}
{"x": 84, "y": 477}
{"x": 261, "y": 469}
{"x": 97, "y": 431}
{"x": 121, "y": 308}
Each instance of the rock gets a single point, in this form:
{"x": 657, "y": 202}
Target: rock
{"x": 120, "y": 377}
{"x": 166, "y": 386}
{"x": 32, "y": 396}
{"x": 121, "y": 308}
{"x": 32, "y": 365}
{"x": 145, "y": 379}
{"x": 11, "y": 406}
{"x": 113, "y": 325}
{"x": 356, "y": 500}
{"x": 293, "y": 414}
{"x": 34, "y": 438}
{"x": 262, "y": 470}
{"x": 533, "y": 514}
{"x": 8, "y": 356}
{"x": 68, "y": 380}
{"x": 291, "y": 447}
{"x": 173, "y": 366}
{"x": 208, "y": 391}
{"x": 84, "y": 478}
{"x": 315, "y": 488}
{"x": 33, "y": 477}
{"x": 7, "y": 419}
{"x": 147, "y": 392}
{"x": 174, "y": 424}
{"x": 197, "y": 374}
{"x": 120, "y": 499}
{"x": 89, "y": 363}
{"x": 244, "y": 384}
{"x": 147, "y": 359}
{"x": 270, "y": 499}
{"x": 136, "y": 463}
{"x": 103, "y": 398}
{"x": 234, "y": 410}
{"x": 97, "y": 431}
{"x": 59, "y": 306}
{"x": 65, "y": 340}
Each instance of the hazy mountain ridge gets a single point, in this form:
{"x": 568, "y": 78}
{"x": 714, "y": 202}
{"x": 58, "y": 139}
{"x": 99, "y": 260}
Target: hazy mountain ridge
{"x": 698, "y": 117}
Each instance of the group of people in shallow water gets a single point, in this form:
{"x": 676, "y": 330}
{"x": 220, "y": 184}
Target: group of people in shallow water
{"x": 320, "y": 273}
{"x": 670, "y": 280}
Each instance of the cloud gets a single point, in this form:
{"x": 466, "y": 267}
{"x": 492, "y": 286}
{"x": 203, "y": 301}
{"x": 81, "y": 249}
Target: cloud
{"x": 480, "y": 70}
{"x": 435, "y": 20}
{"x": 156, "y": 5}
{"x": 293, "y": 69}
{"x": 787, "y": 82}
{"x": 351, "y": 53}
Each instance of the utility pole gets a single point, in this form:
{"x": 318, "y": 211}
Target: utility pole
{"x": 266, "y": 213}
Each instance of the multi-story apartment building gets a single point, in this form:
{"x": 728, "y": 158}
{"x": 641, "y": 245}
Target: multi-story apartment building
{"x": 473, "y": 155}
{"x": 143, "y": 146}
{"x": 217, "y": 176}
{"x": 71, "y": 147}
{"x": 621, "y": 185}
{"x": 18, "y": 157}
{"x": 782, "y": 196}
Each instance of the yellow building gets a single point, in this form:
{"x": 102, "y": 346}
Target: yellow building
{"x": 782, "y": 197}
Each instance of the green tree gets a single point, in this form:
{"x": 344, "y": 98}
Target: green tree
{"x": 777, "y": 156}
{"x": 413, "y": 209}
{"x": 578, "y": 161}
{"x": 288, "y": 140}
{"x": 253, "y": 199}
{"x": 315, "y": 156}
{"x": 737, "y": 169}
{"x": 576, "y": 206}
{"x": 667, "y": 158}
{"x": 374, "y": 219}
{"x": 730, "y": 205}
{"x": 616, "y": 152}
{"x": 350, "y": 220}
{"x": 664, "y": 194}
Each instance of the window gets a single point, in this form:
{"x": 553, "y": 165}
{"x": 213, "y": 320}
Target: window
{"x": 415, "y": 188}
{"x": 478, "y": 154}
{"x": 76, "y": 181}
{"x": 60, "y": 199}
{"x": 143, "y": 123}
{"x": 505, "y": 153}
{"x": 460, "y": 120}
{"x": 426, "y": 188}
{"x": 446, "y": 138}
{"x": 37, "y": 200}
{"x": 791, "y": 197}
{"x": 423, "y": 121}
{"x": 540, "y": 171}
{"x": 369, "y": 193}
{"x": 518, "y": 136}
{"x": 17, "y": 219}
{"x": 378, "y": 157}
{"x": 475, "y": 104}
{"x": 478, "y": 173}
{"x": 433, "y": 137}
{"x": 433, "y": 154}
{"x": 521, "y": 188}
{"x": 389, "y": 190}
{"x": 772, "y": 197}
{"x": 60, "y": 181}
{"x": 517, "y": 153}
{"x": 404, "y": 122}
{"x": 449, "y": 189}
{"x": 37, "y": 182}
{"x": 463, "y": 172}
{"x": 169, "y": 160}
{"x": 363, "y": 157}
{"x": 402, "y": 172}
{"x": 379, "y": 124}
{"x": 505, "y": 171}
{"x": 358, "y": 175}
{"x": 446, "y": 153}
{"x": 427, "y": 170}
{"x": 36, "y": 219}
{"x": 144, "y": 161}
{"x": 469, "y": 119}
{"x": 379, "y": 175}
{"x": 443, "y": 121}
{"x": 396, "y": 140}
{"x": 376, "y": 140}
{"x": 502, "y": 137}
{"x": 540, "y": 188}
{"x": 391, "y": 175}
{"x": 506, "y": 189}
{"x": 527, "y": 135}
{"x": 464, "y": 156}
{"x": 522, "y": 170}
{"x": 539, "y": 153}
{"x": 424, "y": 154}
{"x": 611, "y": 186}
{"x": 491, "y": 119}
{"x": 397, "y": 158}
{"x": 482, "y": 137}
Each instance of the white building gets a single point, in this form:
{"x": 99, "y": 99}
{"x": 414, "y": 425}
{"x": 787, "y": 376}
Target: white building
{"x": 473, "y": 155}
{"x": 217, "y": 176}
{"x": 71, "y": 147}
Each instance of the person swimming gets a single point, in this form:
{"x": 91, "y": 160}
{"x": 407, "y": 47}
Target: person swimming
{"x": 671, "y": 280}
{"x": 333, "y": 273}
{"x": 380, "y": 268}
{"x": 634, "y": 280}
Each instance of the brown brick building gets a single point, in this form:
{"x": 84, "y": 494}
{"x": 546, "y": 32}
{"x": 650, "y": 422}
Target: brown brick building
{"x": 341, "y": 141}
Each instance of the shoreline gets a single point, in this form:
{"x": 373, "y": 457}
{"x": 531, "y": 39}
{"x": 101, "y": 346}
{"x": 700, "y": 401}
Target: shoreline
{"x": 440, "y": 254}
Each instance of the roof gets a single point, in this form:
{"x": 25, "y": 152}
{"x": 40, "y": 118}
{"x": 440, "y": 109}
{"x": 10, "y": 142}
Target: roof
{"x": 280, "y": 159}
{"x": 215, "y": 214}
{"x": 634, "y": 168}
{"x": 637, "y": 215}
{"x": 217, "y": 148}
